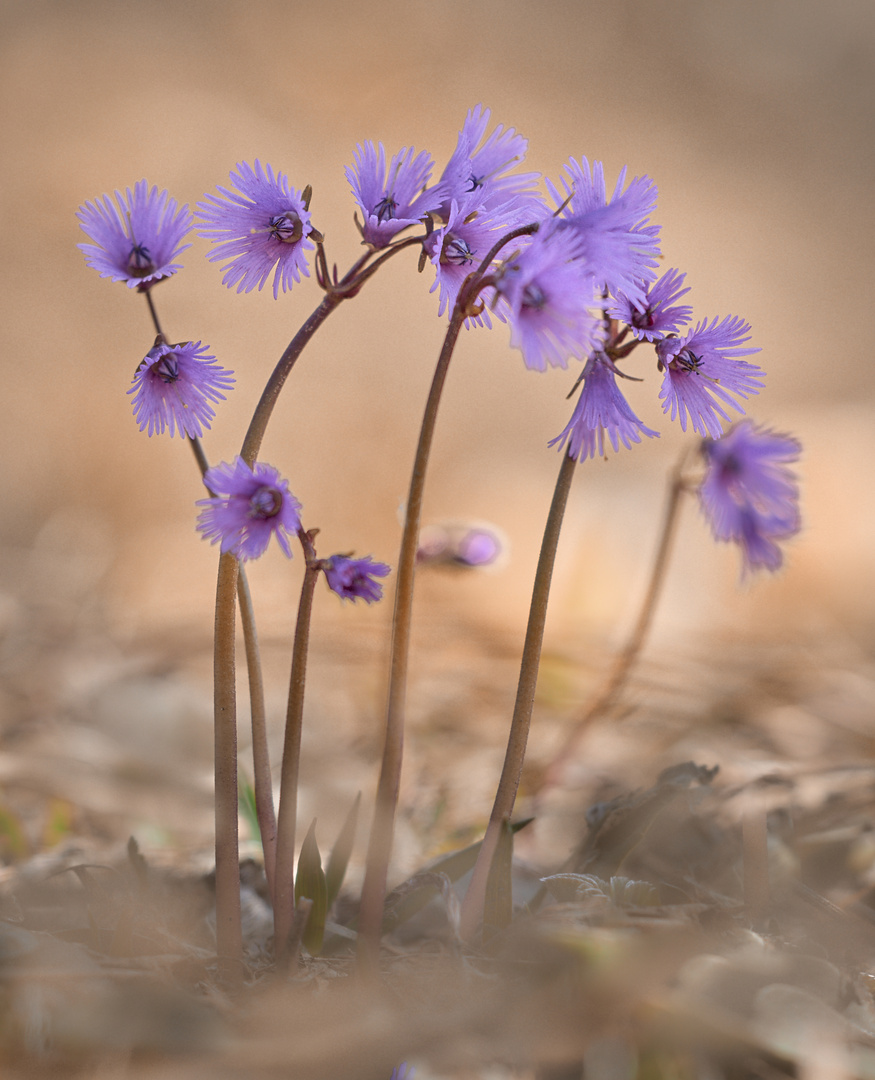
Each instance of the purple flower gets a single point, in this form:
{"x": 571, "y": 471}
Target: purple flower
{"x": 457, "y": 249}
{"x": 653, "y": 317}
{"x": 749, "y": 494}
{"x": 393, "y": 199}
{"x": 550, "y": 295}
{"x": 403, "y": 1072}
{"x": 138, "y": 241}
{"x": 617, "y": 241}
{"x": 262, "y": 225}
{"x": 173, "y": 388}
{"x": 460, "y": 544}
{"x": 250, "y": 506}
{"x": 481, "y": 171}
{"x": 354, "y": 578}
{"x": 703, "y": 369}
{"x": 601, "y": 411}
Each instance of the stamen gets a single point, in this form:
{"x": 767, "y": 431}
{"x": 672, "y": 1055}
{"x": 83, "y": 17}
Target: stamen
{"x": 456, "y": 251}
{"x": 167, "y": 368}
{"x": 688, "y": 361}
{"x": 140, "y": 261}
{"x": 386, "y": 207}
{"x": 534, "y": 297}
{"x": 266, "y": 502}
{"x": 286, "y": 227}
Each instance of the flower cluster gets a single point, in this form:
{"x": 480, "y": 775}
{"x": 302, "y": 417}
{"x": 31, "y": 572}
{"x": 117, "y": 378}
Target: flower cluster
{"x": 750, "y": 495}
{"x": 574, "y": 277}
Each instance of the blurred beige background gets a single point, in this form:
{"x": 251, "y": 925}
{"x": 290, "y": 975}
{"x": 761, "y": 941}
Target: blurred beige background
{"x": 754, "y": 118}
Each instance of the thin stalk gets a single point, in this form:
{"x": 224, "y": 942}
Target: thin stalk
{"x": 284, "y": 890}
{"x": 380, "y": 844}
{"x": 226, "y": 736}
{"x": 382, "y": 828}
{"x": 148, "y": 294}
{"x": 261, "y": 770}
{"x": 505, "y": 796}
{"x": 229, "y": 938}
{"x": 611, "y": 689}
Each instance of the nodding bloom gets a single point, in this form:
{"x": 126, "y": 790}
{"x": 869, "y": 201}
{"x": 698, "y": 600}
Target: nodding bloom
{"x": 354, "y": 578}
{"x": 173, "y": 388}
{"x": 461, "y": 544}
{"x": 615, "y": 236}
{"x": 391, "y": 199}
{"x": 137, "y": 241}
{"x": 262, "y": 225}
{"x": 457, "y": 249}
{"x": 250, "y": 506}
{"x": 480, "y": 171}
{"x": 749, "y": 494}
{"x": 703, "y": 369}
{"x": 601, "y": 414}
{"x": 550, "y": 292}
{"x": 653, "y": 317}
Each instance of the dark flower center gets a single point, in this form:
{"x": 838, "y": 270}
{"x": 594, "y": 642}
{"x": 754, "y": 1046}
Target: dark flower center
{"x": 475, "y": 182}
{"x": 167, "y": 368}
{"x": 534, "y": 297}
{"x": 456, "y": 251}
{"x": 687, "y": 360}
{"x": 385, "y": 208}
{"x": 286, "y": 227}
{"x": 140, "y": 261}
{"x": 266, "y": 502}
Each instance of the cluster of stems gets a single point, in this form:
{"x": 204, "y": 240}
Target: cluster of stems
{"x": 232, "y": 592}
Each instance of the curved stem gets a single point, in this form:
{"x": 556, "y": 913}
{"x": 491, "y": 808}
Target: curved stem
{"x": 380, "y": 845}
{"x": 612, "y": 688}
{"x": 229, "y": 939}
{"x": 261, "y": 770}
{"x": 148, "y": 294}
{"x": 505, "y": 796}
{"x": 284, "y": 884}
{"x": 262, "y": 414}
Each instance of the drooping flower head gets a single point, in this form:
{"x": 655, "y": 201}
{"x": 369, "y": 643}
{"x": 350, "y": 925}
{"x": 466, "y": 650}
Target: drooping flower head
{"x": 461, "y": 544}
{"x": 262, "y": 225}
{"x": 750, "y": 494}
{"x": 250, "y": 506}
{"x": 601, "y": 413}
{"x": 457, "y": 249}
{"x": 550, "y": 295}
{"x": 481, "y": 171}
{"x": 655, "y": 316}
{"x": 703, "y": 369}
{"x": 354, "y": 578}
{"x": 137, "y": 238}
{"x": 391, "y": 199}
{"x": 173, "y": 388}
{"x": 615, "y": 234}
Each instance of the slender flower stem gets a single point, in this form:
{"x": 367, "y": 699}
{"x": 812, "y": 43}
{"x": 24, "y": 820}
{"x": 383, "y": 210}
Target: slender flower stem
{"x": 610, "y": 691}
{"x": 382, "y": 829}
{"x": 505, "y": 796}
{"x": 380, "y": 845}
{"x": 228, "y": 896}
{"x": 229, "y": 940}
{"x": 284, "y": 885}
{"x": 261, "y": 770}
{"x": 148, "y": 294}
